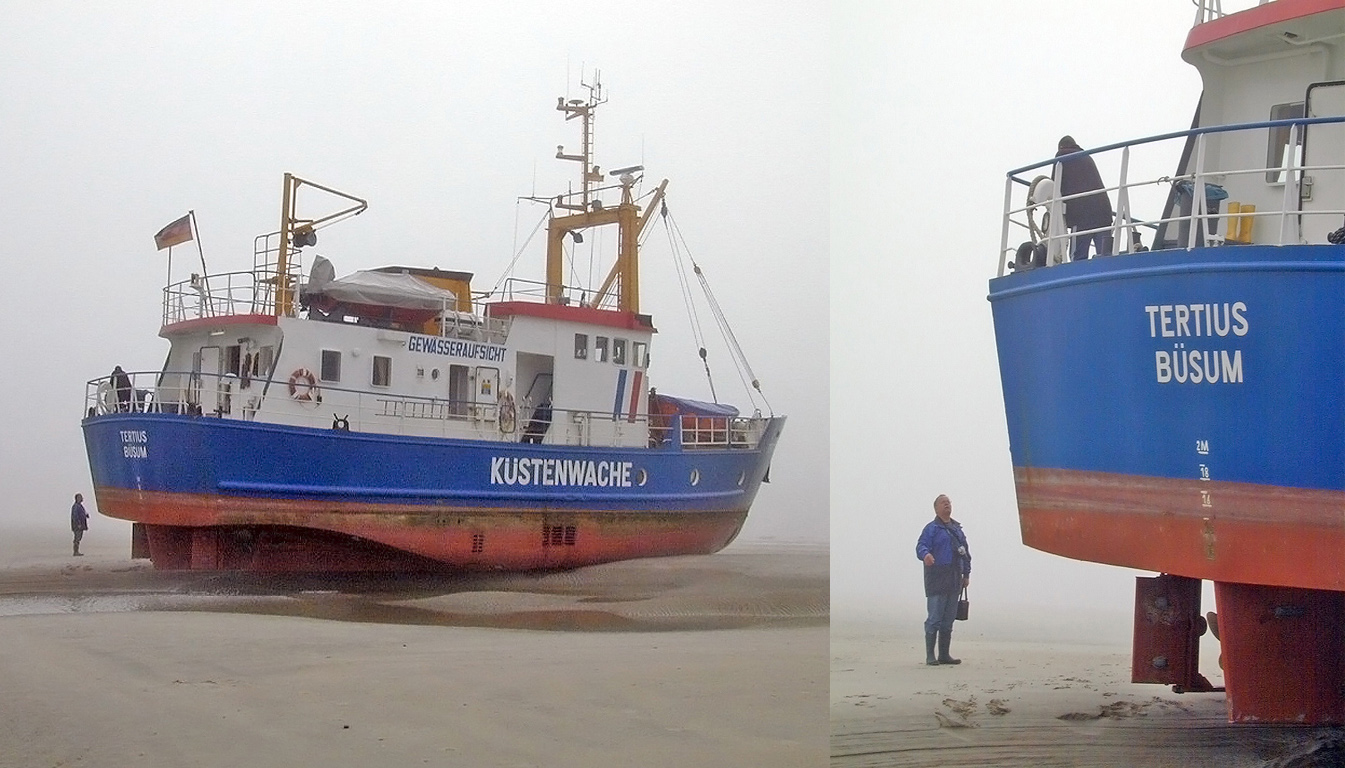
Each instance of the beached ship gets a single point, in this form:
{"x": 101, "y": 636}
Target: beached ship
{"x": 1179, "y": 407}
{"x": 391, "y": 419}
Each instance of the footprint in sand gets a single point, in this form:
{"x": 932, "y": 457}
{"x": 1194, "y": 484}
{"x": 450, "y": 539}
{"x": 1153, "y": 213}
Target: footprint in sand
{"x": 1117, "y": 710}
{"x": 996, "y": 707}
{"x": 947, "y": 722}
{"x": 963, "y": 708}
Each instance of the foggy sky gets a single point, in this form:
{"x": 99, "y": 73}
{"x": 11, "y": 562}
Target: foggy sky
{"x": 120, "y": 118}
{"x": 938, "y": 102}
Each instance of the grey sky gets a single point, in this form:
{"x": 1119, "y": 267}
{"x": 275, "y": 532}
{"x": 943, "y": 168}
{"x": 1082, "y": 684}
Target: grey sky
{"x": 119, "y": 118}
{"x": 933, "y": 103}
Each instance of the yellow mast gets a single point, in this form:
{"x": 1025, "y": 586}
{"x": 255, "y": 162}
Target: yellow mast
{"x": 590, "y": 212}
{"x": 284, "y": 300}
{"x": 295, "y": 233}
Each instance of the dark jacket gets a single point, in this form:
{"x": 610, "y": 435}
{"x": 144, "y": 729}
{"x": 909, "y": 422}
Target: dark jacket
{"x": 952, "y": 557}
{"x": 1080, "y": 174}
{"x": 79, "y": 519}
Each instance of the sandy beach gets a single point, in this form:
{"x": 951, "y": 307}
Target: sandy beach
{"x": 1019, "y": 699}
{"x": 717, "y": 660}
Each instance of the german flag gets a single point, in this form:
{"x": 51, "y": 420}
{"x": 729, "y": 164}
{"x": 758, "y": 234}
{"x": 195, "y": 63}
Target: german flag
{"x": 173, "y": 234}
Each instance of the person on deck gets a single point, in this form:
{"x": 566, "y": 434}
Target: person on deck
{"x": 79, "y": 521}
{"x": 1079, "y": 175}
{"x": 122, "y": 383}
{"x": 943, "y": 549}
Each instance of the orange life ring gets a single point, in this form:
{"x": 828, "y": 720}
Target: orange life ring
{"x": 303, "y": 385}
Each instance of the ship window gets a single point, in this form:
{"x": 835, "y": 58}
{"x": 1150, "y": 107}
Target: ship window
{"x": 459, "y": 390}
{"x": 233, "y": 357}
{"x": 1277, "y": 150}
{"x": 639, "y": 354}
{"x": 619, "y": 351}
{"x": 600, "y": 349}
{"x": 580, "y": 346}
{"x": 331, "y": 365}
{"x": 382, "y": 371}
{"x": 267, "y": 359}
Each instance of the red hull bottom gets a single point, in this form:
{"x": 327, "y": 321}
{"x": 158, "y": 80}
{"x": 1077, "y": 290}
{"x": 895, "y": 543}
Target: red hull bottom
{"x": 1282, "y": 654}
{"x": 188, "y": 531}
{"x": 1218, "y": 531}
{"x": 1282, "y": 649}
{"x": 1272, "y": 553}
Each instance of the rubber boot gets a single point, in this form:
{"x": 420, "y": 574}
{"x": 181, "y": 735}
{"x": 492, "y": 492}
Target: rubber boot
{"x": 946, "y": 638}
{"x": 929, "y": 649}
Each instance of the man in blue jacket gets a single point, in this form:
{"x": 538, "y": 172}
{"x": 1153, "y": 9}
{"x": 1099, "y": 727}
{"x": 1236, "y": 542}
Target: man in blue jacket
{"x": 943, "y": 548}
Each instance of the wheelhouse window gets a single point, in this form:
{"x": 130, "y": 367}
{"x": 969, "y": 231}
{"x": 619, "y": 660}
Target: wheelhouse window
{"x": 331, "y": 365}
{"x": 263, "y": 361}
{"x": 619, "y": 351}
{"x": 639, "y": 354}
{"x": 382, "y": 371}
{"x": 581, "y": 346}
{"x": 233, "y": 359}
{"x": 1278, "y": 150}
{"x": 600, "y": 349}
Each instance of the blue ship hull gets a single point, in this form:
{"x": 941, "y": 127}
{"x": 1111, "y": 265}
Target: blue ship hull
{"x": 1081, "y": 357}
{"x": 456, "y": 502}
{"x": 1181, "y": 411}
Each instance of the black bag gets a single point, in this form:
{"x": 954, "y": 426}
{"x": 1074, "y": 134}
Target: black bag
{"x": 963, "y": 606}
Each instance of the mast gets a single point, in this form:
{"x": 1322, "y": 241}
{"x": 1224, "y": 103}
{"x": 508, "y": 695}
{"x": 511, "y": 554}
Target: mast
{"x": 589, "y": 212}
{"x": 295, "y": 233}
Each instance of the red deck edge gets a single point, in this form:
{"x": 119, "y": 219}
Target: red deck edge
{"x": 574, "y": 314}
{"x": 187, "y": 326}
{"x": 1254, "y": 18}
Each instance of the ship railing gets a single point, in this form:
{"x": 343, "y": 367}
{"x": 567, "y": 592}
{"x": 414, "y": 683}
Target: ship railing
{"x": 1209, "y": 10}
{"x": 220, "y": 295}
{"x": 230, "y": 396}
{"x": 697, "y": 432}
{"x": 520, "y": 289}
{"x": 136, "y": 393}
{"x": 469, "y": 325}
{"x": 1212, "y": 204}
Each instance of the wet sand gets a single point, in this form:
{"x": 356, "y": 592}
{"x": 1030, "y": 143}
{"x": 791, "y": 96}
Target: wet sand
{"x": 717, "y": 660}
{"x": 1036, "y": 703}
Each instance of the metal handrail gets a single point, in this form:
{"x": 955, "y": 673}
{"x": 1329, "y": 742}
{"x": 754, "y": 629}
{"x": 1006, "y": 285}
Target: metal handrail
{"x": 1201, "y": 176}
{"x": 381, "y": 412}
{"x": 523, "y": 289}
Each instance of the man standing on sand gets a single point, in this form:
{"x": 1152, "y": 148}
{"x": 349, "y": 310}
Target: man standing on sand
{"x": 79, "y": 521}
{"x": 943, "y": 548}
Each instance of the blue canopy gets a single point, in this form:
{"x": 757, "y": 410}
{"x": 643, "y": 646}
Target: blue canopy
{"x": 688, "y": 407}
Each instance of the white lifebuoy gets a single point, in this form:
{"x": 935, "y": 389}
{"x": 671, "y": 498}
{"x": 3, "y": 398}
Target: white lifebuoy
{"x": 303, "y": 385}
{"x": 1039, "y": 195}
{"x": 508, "y": 413}
{"x": 105, "y": 398}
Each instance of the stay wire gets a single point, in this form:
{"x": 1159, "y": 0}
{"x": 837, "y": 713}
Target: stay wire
{"x": 725, "y": 328}
{"x": 509, "y": 270}
{"x": 688, "y": 301}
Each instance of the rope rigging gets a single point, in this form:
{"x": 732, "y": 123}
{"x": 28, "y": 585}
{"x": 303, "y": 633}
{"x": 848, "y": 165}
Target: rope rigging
{"x": 678, "y": 243}
{"x": 518, "y": 252}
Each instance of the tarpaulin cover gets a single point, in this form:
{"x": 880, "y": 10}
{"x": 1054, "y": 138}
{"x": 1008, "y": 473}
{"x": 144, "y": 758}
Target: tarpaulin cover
{"x": 387, "y": 290}
{"x": 688, "y": 407}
